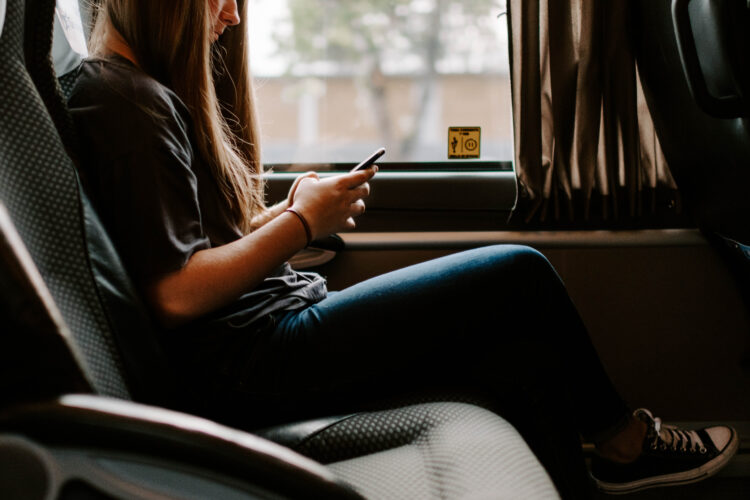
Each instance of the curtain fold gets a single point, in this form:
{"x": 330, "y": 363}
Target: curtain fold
{"x": 582, "y": 127}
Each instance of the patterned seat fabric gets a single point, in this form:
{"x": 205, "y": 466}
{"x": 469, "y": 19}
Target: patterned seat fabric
{"x": 40, "y": 188}
{"x": 435, "y": 450}
{"x": 67, "y": 81}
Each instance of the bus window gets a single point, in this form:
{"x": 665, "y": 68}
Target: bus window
{"x": 336, "y": 79}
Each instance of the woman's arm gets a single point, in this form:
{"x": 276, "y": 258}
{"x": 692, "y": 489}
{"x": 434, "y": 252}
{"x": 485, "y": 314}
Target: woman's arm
{"x": 269, "y": 214}
{"x": 215, "y": 277}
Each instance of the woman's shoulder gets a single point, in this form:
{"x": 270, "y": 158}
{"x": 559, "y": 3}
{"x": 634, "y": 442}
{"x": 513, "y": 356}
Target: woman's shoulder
{"x": 116, "y": 86}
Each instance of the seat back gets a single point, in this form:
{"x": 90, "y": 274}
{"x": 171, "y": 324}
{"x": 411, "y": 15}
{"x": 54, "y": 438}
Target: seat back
{"x": 709, "y": 154}
{"x": 692, "y": 57}
{"x": 37, "y": 359}
{"x": 41, "y": 190}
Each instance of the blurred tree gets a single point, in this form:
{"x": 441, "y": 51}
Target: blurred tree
{"x": 361, "y": 37}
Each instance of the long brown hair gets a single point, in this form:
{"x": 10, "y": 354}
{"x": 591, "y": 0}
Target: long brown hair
{"x": 171, "y": 42}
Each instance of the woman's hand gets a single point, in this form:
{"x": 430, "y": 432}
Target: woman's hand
{"x": 330, "y": 204}
{"x": 271, "y": 213}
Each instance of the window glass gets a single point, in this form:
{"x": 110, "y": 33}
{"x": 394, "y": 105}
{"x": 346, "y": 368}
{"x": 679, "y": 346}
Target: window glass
{"x": 336, "y": 79}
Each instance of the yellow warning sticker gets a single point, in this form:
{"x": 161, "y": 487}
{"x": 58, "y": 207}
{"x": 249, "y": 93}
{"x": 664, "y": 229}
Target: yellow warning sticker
{"x": 464, "y": 142}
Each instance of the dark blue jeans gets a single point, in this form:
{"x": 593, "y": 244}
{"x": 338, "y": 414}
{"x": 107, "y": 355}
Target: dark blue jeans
{"x": 495, "y": 320}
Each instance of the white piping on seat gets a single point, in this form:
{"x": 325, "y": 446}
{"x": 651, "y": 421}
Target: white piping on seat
{"x": 2, "y": 15}
{"x": 69, "y": 40}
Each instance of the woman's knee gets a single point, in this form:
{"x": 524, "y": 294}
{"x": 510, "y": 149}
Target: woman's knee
{"x": 531, "y": 266}
{"x": 531, "y": 256}
{"x": 522, "y": 256}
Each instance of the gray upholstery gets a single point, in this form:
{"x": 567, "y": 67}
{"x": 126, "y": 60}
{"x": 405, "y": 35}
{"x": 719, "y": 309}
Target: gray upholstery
{"x": 39, "y": 187}
{"x": 433, "y": 450}
{"x": 37, "y": 358}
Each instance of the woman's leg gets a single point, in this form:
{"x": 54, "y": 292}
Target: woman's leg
{"x": 465, "y": 316}
{"x": 496, "y": 317}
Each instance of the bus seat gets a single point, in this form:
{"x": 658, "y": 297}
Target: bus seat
{"x": 57, "y": 262}
{"x": 692, "y": 57}
{"x": 397, "y": 453}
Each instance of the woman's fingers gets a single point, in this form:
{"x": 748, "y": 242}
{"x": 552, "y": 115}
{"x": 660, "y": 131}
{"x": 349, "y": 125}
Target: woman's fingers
{"x": 357, "y": 208}
{"x": 330, "y": 204}
{"x": 361, "y": 191}
{"x": 354, "y": 179}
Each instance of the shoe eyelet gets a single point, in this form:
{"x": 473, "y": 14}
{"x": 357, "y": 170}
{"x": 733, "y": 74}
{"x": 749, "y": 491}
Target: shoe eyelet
{"x": 703, "y": 450}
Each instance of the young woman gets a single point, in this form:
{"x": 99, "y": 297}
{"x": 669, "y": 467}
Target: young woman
{"x": 172, "y": 162}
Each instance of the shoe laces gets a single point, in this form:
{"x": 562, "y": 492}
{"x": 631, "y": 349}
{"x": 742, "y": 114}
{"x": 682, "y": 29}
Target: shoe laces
{"x": 670, "y": 437}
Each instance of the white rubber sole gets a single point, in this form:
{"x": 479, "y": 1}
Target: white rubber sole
{"x": 691, "y": 476}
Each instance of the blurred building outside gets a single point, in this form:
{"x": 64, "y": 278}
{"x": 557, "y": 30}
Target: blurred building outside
{"x": 319, "y": 109}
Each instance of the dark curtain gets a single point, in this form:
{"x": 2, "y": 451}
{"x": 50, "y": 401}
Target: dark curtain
{"x": 585, "y": 143}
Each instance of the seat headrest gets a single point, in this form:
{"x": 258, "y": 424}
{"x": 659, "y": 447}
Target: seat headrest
{"x": 68, "y": 40}
{"x": 2, "y": 15}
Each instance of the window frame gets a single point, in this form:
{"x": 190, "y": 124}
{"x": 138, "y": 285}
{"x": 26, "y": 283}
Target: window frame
{"x": 425, "y": 196}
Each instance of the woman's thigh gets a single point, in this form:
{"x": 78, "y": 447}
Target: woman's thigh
{"x": 469, "y": 316}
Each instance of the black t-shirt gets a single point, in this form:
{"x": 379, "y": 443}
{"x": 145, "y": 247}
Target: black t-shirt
{"x": 155, "y": 195}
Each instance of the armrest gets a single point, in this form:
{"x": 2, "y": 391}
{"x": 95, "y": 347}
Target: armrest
{"x": 111, "y": 425}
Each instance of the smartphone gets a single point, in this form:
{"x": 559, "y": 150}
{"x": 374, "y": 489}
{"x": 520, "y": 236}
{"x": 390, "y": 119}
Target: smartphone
{"x": 370, "y": 160}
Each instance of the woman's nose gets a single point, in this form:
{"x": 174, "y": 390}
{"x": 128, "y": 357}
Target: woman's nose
{"x": 230, "y": 14}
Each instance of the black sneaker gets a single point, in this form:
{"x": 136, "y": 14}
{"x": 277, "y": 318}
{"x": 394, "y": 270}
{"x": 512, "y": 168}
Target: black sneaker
{"x": 670, "y": 457}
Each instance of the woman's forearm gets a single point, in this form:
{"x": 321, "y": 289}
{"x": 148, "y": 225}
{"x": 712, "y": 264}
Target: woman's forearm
{"x": 269, "y": 214}
{"x": 216, "y": 277}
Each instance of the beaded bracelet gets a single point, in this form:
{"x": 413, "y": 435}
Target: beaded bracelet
{"x": 308, "y": 233}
